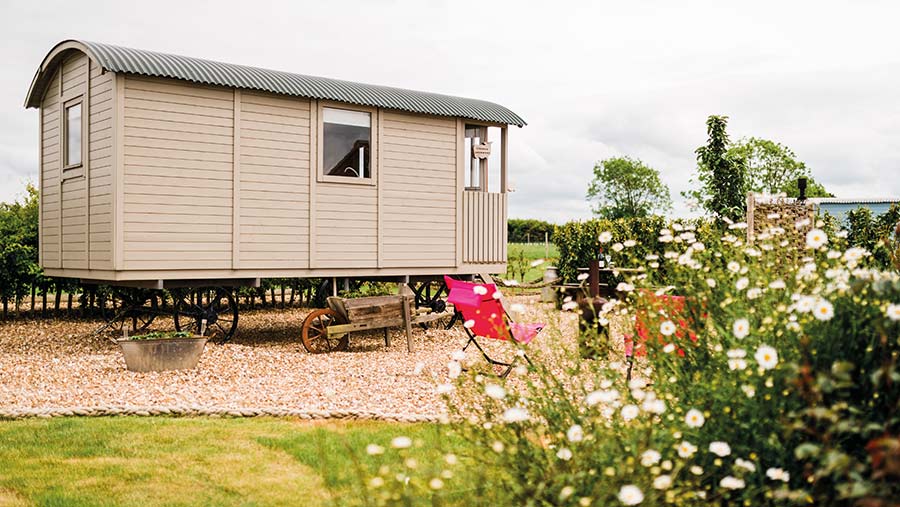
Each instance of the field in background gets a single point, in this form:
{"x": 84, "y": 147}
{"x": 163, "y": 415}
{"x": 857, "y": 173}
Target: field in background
{"x": 520, "y": 256}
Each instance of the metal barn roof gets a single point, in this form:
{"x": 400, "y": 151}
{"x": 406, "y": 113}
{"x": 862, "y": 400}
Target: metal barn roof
{"x": 149, "y": 63}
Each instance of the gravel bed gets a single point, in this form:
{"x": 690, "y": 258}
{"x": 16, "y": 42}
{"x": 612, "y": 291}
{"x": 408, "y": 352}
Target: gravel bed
{"x": 62, "y": 365}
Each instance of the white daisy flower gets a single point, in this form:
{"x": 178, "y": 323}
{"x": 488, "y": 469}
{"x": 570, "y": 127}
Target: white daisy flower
{"x": 778, "y": 474}
{"x": 629, "y": 412}
{"x": 694, "y": 418}
{"x": 401, "y": 443}
{"x": 746, "y": 465}
{"x": 618, "y": 247}
{"x": 729, "y": 482}
{"x": 742, "y": 283}
{"x": 435, "y": 483}
{"x": 711, "y": 283}
{"x": 749, "y": 390}
{"x": 766, "y": 357}
{"x": 374, "y": 449}
{"x": 720, "y": 449}
{"x": 564, "y": 454}
{"x": 777, "y": 284}
{"x": 631, "y": 495}
{"x": 605, "y": 237}
{"x": 815, "y": 238}
{"x": 601, "y": 396}
{"x": 734, "y": 267}
{"x": 650, "y": 457}
{"x": 494, "y": 391}
{"x": 741, "y": 328}
{"x": 667, "y": 328}
{"x": 669, "y": 348}
{"x": 654, "y": 406}
{"x": 497, "y": 446}
{"x": 454, "y": 369}
{"x": 628, "y": 243}
{"x": 686, "y": 449}
{"x": 575, "y": 433}
{"x": 823, "y": 309}
{"x": 662, "y": 482}
{"x": 893, "y": 312}
{"x": 696, "y": 470}
{"x": 754, "y": 293}
{"x": 515, "y": 415}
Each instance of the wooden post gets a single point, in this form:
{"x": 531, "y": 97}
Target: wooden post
{"x": 408, "y": 323}
{"x": 387, "y": 338}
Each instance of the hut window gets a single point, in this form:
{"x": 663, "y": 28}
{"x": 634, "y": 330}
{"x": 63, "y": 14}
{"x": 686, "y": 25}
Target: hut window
{"x": 345, "y": 143}
{"x": 73, "y": 134}
{"x": 475, "y": 165}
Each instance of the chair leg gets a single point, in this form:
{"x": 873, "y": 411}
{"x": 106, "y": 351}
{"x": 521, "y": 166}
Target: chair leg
{"x": 630, "y": 366}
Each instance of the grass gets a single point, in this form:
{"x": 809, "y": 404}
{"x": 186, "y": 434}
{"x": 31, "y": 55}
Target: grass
{"x": 196, "y": 461}
{"x": 518, "y": 253}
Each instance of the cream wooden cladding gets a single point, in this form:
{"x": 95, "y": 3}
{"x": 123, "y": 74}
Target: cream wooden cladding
{"x": 484, "y": 227}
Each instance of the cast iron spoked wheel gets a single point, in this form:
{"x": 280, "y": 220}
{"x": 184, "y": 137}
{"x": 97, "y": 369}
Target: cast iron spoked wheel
{"x": 314, "y": 333}
{"x": 219, "y": 309}
{"x": 134, "y": 309}
{"x": 431, "y": 295}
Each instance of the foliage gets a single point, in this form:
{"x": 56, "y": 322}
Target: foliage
{"x": 624, "y": 187}
{"x": 19, "y": 268}
{"x": 161, "y": 335}
{"x": 528, "y": 230}
{"x": 579, "y": 242}
{"x": 721, "y": 174}
{"x": 874, "y": 233}
{"x": 773, "y": 168}
{"x": 517, "y": 263}
{"x": 366, "y": 289}
{"x": 768, "y": 383}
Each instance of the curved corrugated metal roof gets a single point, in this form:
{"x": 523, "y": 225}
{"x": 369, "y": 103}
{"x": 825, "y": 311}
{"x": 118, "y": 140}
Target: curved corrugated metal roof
{"x": 150, "y": 63}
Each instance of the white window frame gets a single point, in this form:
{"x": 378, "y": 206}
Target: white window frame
{"x": 320, "y": 145}
{"x": 79, "y": 100}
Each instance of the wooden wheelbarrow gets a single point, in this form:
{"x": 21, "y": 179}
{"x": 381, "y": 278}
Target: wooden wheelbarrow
{"x": 329, "y": 329}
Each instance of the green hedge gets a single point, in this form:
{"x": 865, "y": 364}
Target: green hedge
{"x": 528, "y": 230}
{"x": 579, "y": 241}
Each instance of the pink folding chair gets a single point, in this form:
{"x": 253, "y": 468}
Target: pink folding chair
{"x": 483, "y": 315}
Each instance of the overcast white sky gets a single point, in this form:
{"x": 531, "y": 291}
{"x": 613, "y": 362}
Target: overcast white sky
{"x": 593, "y": 79}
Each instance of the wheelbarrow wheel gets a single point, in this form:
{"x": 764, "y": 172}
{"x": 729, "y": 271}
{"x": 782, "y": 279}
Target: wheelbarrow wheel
{"x": 314, "y": 333}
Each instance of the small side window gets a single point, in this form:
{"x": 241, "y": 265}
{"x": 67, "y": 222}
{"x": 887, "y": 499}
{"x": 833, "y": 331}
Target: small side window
{"x": 345, "y": 143}
{"x": 72, "y": 135}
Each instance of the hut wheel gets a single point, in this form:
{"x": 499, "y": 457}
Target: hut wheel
{"x": 216, "y": 305}
{"x": 314, "y": 333}
{"x": 135, "y": 309}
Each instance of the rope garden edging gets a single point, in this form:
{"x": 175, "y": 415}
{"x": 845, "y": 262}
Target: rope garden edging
{"x": 181, "y": 411}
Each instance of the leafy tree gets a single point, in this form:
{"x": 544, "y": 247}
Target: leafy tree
{"x": 722, "y": 175}
{"x": 624, "y": 187}
{"x": 19, "y": 268}
{"x": 773, "y": 168}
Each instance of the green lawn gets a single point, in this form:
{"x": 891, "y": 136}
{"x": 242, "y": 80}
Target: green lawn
{"x": 531, "y": 252}
{"x": 197, "y": 461}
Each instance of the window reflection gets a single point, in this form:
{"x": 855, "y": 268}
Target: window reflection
{"x": 346, "y": 137}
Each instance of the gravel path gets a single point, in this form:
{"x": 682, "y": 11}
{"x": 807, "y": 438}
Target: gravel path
{"x": 61, "y": 364}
